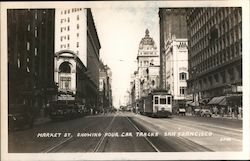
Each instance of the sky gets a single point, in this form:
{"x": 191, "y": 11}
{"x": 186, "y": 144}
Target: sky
{"x": 120, "y": 30}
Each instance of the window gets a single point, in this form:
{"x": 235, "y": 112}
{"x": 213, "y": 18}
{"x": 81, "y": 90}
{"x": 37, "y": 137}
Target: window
{"x": 183, "y": 76}
{"x": 28, "y": 27}
{"x": 163, "y": 101}
{"x": 68, "y": 45}
{"x": 169, "y": 100}
{"x": 77, "y": 34}
{"x": 28, "y": 46}
{"x": 156, "y": 100}
{"x": 77, "y": 17}
{"x": 68, "y": 37}
{"x": 65, "y": 83}
{"x": 77, "y": 44}
{"x": 35, "y": 31}
{"x": 68, "y": 19}
{"x": 183, "y": 90}
{"x": 64, "y": 68}
{"x": 68, "y": 28}
{"x": 35, "y": 51}
{"x": 77, "y": 26}
{"x": 61, "y": 38}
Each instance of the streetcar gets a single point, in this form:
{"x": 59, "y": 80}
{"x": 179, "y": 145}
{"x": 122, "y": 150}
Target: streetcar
{"x": 158, "y": 103}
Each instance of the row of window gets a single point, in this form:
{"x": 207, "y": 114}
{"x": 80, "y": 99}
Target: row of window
{"x": 231, "y": 74}
{"x": 28, "y": 48}
{"x": 221, "y": 43}
{"x": 212, "y": 16}
{"x": 68, "y": 45}
{"x": 64, "y": 37}
{"x": 71, "y": 10}
{"x": 158, "y": 100}
{"x": 67, "y": 28}
{"x": 203, "y": 63}
{"x": 68, "y": 19}
{"x": 35, "y": 31}
{"x": 146, "y": 63}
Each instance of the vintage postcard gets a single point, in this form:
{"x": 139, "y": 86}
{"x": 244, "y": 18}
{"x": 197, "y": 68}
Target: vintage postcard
{"x": 132, "y": 80}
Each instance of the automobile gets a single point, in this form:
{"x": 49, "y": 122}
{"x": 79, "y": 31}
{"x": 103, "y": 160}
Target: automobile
{"x": 182, "y": 111}
{"x": 205, "y": 112}
{"x": 20, "y": 116}
{"x": 197, "y": 111}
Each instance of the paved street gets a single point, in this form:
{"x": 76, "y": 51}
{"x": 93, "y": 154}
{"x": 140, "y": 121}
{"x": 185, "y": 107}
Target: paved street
{"x": 128, "y": 132}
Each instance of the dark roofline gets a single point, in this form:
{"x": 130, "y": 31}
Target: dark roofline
{"x": 91, "y": 22}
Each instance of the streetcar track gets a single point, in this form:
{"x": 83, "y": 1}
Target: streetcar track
{"x": 99, "y": 144}
{"x": 189, "y": 144}
{"x": 151, "y": 144}
{"x": 56, "y": 147}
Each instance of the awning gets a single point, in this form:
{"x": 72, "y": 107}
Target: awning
{"x": 204, "y": 101}
{"x": 194, "y": 104}
{"x": 223, "y": 102}
{"x": 216, "y": 100}
{"x": 188, "y": 103}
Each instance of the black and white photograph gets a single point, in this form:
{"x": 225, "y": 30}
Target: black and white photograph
{"x": 125, "y": 80}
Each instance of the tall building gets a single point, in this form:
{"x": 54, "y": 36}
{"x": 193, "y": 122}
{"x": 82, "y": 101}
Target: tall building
{"x": 215, "y": 53}
{"x": 70, "y": 31}
{"x": 174, "y": 53}
{"x": 148, "y": 66}
{"x": 31, "y": 57}
{"x": 172, "y": 24}
{"x": 77, "y": 55}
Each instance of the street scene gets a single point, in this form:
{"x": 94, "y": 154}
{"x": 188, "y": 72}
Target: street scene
{"x": 143, "y": 80}
{"x": 128, "y": 132}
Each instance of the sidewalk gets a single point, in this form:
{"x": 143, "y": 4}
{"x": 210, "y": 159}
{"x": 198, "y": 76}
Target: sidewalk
{"x": 218, "y": 116}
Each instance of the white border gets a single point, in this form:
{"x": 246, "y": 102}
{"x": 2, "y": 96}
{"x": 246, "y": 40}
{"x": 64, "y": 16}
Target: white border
{"x": 128, "y": 156}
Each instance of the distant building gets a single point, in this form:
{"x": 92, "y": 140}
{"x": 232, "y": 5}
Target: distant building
{"x": 31, "y": 57}
{"x": 172, "y": 24}
{"x": 148, "y": 66}
{"x": 105, "y": 88}
{"x": 215, "y": 53}
{"x": 77, "y": 42}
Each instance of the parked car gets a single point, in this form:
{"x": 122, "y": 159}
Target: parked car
{"x": 205, "y": 112}
{"x": 20, "y": 116}
{"x": 182, "y": 111}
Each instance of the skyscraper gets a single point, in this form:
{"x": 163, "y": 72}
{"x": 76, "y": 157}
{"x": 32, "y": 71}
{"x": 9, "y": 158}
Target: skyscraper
{"x": 172, "y": 24}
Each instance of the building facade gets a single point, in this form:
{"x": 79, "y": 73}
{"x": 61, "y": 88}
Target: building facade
{"x": 172, "y": 24}
{"x": 174, "y": 54}
{"x": 105, "y": 88}
{"x": 77, "y": 38}
{"x": 177, "y": 70}
{"x": 148, "y": 66}
{"x": 215, "y": 50}
{"x": 31, "y": 57}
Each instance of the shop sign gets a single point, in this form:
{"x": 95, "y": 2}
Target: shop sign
{"x": 239, "y": 89}
{"x": 234, "y": 94}
{"x": 66, "y": 97}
